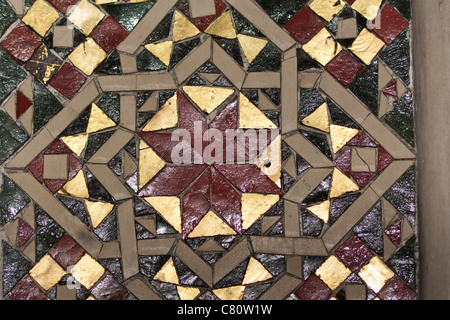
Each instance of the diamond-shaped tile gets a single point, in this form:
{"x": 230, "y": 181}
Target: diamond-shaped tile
{"x": 304, "y": 25}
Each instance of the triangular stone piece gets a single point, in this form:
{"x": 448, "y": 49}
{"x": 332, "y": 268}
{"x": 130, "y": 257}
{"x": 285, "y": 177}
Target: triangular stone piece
{"x": 265, "y": 104}
{"x": 147, "y": 223}
{"x": 25, "y": 232}
{"x": 169, "y": 208}
{"x": 223, "y": 27}
{"x": 384, "y": 76}
{"x": 340, "y": 136}
{"x": 250, "y": 117}
{"x": 389, "y": 212}
{"x": 388, "y": 248}
{"x": 210, "y": 245}
{"x": 76, "y": 187}
{"x": 385, "y": 106}
{"x": 129, "y": 166}
{"x": 251, "y": 46}
{"x": 30, "y": 251}
{"x": 28, "y": 215}
{"x": 318, "y": 119}
{"x": 211, "y": 225}
{"x": 210, "y": 77}
{"x": 268, "y": 222}
{"x": 256, "y": 272}
{"x": 98, "y": 120}
{"x": 76, "y": 143}
{"x": 26, "y": 119}
{"x": 10, "y": 106}
{"x": 254, "y": 205}
{"x": 341, "y": 184}
{"x": 183, "y": 28}
{"x": 165, "y": 118}
{"x": 11, "y": 232}
{"x": 162, "y": 51}
{"x": 188, "y": 293}
{"x": 151, "y": 105}
{"x": 407, "y": 230}
{"x": 150, "y": 163}
{"x": 208, "y": 98}
{"x": 230, "y": 293}
{"x": 321, "y": 210}
{"x": 98, "y": 211}
{"x": 167, "y": 273}
{"x": 23, "y": 103}
{"x": 290, "y": 166}
{"x": 27, "y": 88}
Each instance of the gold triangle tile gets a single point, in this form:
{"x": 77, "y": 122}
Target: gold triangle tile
{"x": 183, "y": 28}
{"x": 98, "y": 120}
{"x": 223, "y": 27}
{"x": 321, "y": 210}
{"x": 187, "y": 293}
{"x": 340, "y": 136}
{"x": 150, "y": 163}
{"x": 208, "y": 98}
{"x": 318, "y": 119}
{"x": 254, "y": 205}
{"x": 76, "y": 187}
{"x": 269, "y": 161}
{"x": 255, "y": 272}
{"x": 167, "y": 273}
{"x": 251, "y": 46}
{"x": 162, "y": 50}
{"x": 169, "y": 208}
{"x": 76, "y": 143}
{"x": 230, "y": 293}
{"x": 211, "y": 225}
{"x": 250, "y": 117}
{"x": 165, "y": 118}
{"x": 98, "y": 211}
{"x": 341, "y": 184}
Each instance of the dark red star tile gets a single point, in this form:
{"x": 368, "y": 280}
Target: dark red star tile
{"x": 109, "y": 289}
{"x": 394, "y": 232}
{"x": 304, "y": 25}
{"x": 248, "y": 178}
{"x": 63, "y": 5}
{"x": 384, "y": 159}
{"x": 314, "y": 289}
{"x": 196, "y": 203}
{"x": 226, "y": 201}
{"x": 67, "y": 252}
{"x": 388, "y": 24}
{"x": 350, "y": 2}
{"x": 353, "y": 253}
{"x": 25, "y": 232}
{"x": 344, "y": 68}
{"x": 396, "y": 289}
{"x": 21, "y": 43}
{"x": 58, "y": 147}
{"x": 191, "y": 120}
{"x": 109, "y": 34}
{"x": 171, "y": 181}
{"x": 23, "y": 103}
{"x": 27, "y": 289}
{"x": 68, "y": 80}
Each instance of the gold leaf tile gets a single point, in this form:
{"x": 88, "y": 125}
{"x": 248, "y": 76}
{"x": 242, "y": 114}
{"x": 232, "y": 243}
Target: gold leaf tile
{"x": 318, "y": 119}
{"x": 251, "y": 46}
{"x": 87, "y": 271}
{"x": 366, "y": 46}
{"x": 255, "y": 272}
{"x": 86, "y": 16}
{"x": 188, "y": 293}
{"x": 327, "y": 9}
{"x": 222, "y": 27}
{"x": 208, "y": 98}
{"x": 321, "y": 210}
{"x": 340, "y": 136}
{"x": 87, "y": 56}
{"x": 162, "y": 50}
{"x": 165, "y": 118}
{"x": 250, "y": 117}
{"x": 341, "y": 184}
{"x": 230, "y": 293}
{"x": 376, "y": 273}
{"x": 47, "y": 272}
{"x": 98, "y": 120}
{"x": 150, "y": 163}
{"x": 169, "y": 208}
{"x": 211, "y": 225}
{"x": 76, "y": 187}
{"x": 333, "y": 272}
{"x": 41, "y": 17}
{"x": 98, "y": 211}
{"x": 254, "y": 205}
{"x": 76, "y": 143}
{"x": 183, "y": 28}
{"x": 167, "y": 273}
{"x": 368, "y": 8}
{"x": 322, "y": 47}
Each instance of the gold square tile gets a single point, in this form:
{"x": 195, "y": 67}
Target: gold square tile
{"x": 47, "y": 272}
{"x": 327, "y": 9}
{"x": 366, "y": 46}
{"x": 376, "y": 273}
{"x": 322, "y": 47}
{"x": 87, "y": 56}
{"x": 333, "y": 272}
{"x": 87, "y": 271}
{"x": 368, "y": 8}
{"x": 41, "y": 17}
{"x": 86, "y": 16}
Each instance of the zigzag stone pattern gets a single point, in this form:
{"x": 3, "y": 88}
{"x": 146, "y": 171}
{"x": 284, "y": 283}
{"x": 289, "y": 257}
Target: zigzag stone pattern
{"x": 95, "y": 207}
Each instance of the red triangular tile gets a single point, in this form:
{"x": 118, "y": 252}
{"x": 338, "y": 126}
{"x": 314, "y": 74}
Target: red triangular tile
{"x": 363, "y": 178}
{"x": 24, "y": 233}
{"x": 361, "y": 140}
{"x": 23, "y": 103}
{"x": 391, "y": 90}
{"x": 384, "y": 159}
{"x": 394, "y": 231}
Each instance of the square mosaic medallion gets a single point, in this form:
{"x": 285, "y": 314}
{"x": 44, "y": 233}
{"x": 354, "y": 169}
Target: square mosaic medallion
{"x": 207, "y": 149}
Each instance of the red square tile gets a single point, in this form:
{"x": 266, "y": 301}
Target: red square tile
{"x": 396, "y": 289}
{"x": 63, "y": 5}
{"x": 27, "y": 289}
{"x": 344, "y": 68}
{"x": 109, "y": 34}
{"x": 21, "y": 43}
{"x": 388, "y": 24}
{"x": 314, "y": 289}
{"x": 354, "y": 253}
{"x": 67, "y": 252}
{"x": 304, "y": 25}
{"x": 68, "y": 80}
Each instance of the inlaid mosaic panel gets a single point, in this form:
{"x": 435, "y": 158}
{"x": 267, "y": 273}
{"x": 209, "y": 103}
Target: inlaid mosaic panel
{"x": 207, "y": 149}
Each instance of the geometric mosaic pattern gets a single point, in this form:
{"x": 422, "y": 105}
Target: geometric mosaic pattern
{"x": 94, "y": 207}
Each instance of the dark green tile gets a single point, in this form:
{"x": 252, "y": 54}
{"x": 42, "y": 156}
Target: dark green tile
{"x": 403, "y": 6}
{"x": 269, "y": 59}
{"x": 162, "y": 31}
{"x": 146, "y": 61}
{"x": 7, "y": 16}
{"x": 110, "y": 104}
{"x": 48, "y": 232}
{"x": 128, "y": 14}
{"x": 181, "y": 50}
{"x": 10, "y": 75}
{"x": 281, "y": 11}
{"x": 45, "y": 106}
{"x": 111, "y": 65}
{"x": 398, "y": 57}
{"x": 13, "y": 137}
{"x": 15, "y": 267}
{"x": 365, "y": 87}
{"x": 13, "y": 200}
{"x": 243, "y": 26}
{"x": 403, "y": 262}
{"x": 401, "y": 119}
{"x": 370, "y": 229}
{"x": 107, "y": 229}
